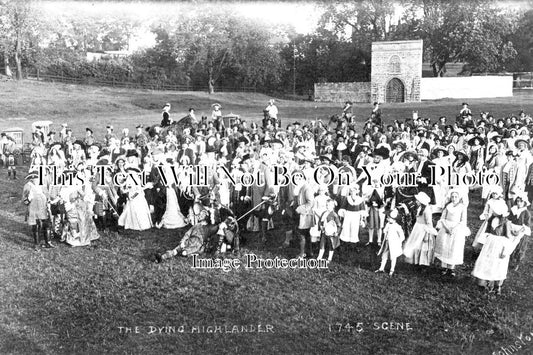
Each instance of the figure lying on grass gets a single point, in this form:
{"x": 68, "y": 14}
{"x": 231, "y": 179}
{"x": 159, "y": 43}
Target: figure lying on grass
{"x": 206, "y": 238}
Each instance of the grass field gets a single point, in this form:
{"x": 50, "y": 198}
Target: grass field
{"x": 73, "y": 300}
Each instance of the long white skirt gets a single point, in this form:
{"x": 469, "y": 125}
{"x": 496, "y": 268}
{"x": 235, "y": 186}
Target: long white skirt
{"x": 173, "y": 218}
{"x": 350, "y": 226}
{"x": 489, "y": 265}
{"x": 416, "y": 250}
{"x": 449, "y": 248}
{"x": 481, "y": 236}
{"x": 136, "y": 214}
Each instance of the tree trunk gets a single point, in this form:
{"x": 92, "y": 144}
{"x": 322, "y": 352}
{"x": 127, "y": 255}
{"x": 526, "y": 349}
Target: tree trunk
{"x": 439, "y": 68}
{"x": 18, "y": 55}
{"x": 211, "y": 82}
{"x": 6, "y": 65}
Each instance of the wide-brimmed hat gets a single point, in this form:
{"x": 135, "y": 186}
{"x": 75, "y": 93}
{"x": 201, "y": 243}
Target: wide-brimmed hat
{"x": 80, "y": 143}
{"x": 103, "y": 161}
{"x": 382, "y": 152}
{"x": 523, "y": 196}
{"x": 133, "y": 169}
{"x": 473, "y": 140}
{"x": 524, "y": 139}
{"x": 132, "y": 153}
{"x": 440, "y": 148}
{"x": 400, "y": 144}
{"x": 423, "y": 198}
{"x": 326, "y": 158}
{"x": 95, "y": 145}
{"x": 31, "y": 175}
{"x": 216, "y": 104}
{"x": 463, "y": 153}
{"x": 410, "y": 153}
{"x": 59, "y": 145}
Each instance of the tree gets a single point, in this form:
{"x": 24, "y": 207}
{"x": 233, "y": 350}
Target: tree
{"x": 523, "y": 43}
{"x": 348, "y": 29}
{"x": 476, "y": 32}
{"x": 215, "y": 48}
{"x": 15, "y": 24}
{"x": 321, "y": 56}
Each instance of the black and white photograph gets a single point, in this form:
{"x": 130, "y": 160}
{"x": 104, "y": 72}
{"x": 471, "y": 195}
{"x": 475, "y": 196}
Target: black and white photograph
{"x": 266, "y": 177}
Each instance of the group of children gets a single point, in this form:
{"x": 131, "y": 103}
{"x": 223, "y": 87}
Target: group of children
{"x": 502, "y": 238}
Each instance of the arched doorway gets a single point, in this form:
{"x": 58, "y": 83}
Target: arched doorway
{"x": 395, "y": 91}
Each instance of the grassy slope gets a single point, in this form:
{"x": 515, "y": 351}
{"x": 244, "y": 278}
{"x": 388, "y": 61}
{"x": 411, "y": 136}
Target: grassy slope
{"x": 71, "y": 300}
{"x": 82, "y": 106}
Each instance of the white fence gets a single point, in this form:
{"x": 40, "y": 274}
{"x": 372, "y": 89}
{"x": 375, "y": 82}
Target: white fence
{"x": 466, "y": 87}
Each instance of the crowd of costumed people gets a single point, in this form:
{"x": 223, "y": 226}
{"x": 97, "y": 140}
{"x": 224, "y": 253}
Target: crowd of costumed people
{"x": 425, "y": 220}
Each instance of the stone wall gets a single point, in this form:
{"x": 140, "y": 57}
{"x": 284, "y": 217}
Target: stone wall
{"x": 467, "y": 87}
{"x": 397, "y": 59}
{"x": 342, "y": 92}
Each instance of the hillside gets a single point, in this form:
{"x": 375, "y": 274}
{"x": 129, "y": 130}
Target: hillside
{"x": 82, "y": 106}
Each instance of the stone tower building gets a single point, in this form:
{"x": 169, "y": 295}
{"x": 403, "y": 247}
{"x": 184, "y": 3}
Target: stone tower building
{"x": 396, "y": 71}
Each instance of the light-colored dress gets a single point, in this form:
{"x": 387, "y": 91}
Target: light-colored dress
{"x": 36, "y": 198}
{"x": 173, "y": 218}
{"x": 84, "y": 218}
{"x": 393, "y": 238}
{"x": 354, "y": 210}
{"x": 136, "y": 213}
{"x": 449, "y": 247}
{"x": 420, "y": 246}
{"x": 490, "y": 265}
{"x": 494, "y": 207}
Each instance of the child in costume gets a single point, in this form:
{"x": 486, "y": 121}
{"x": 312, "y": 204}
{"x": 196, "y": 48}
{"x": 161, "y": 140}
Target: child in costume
{"x": 330, "y": 227}
{"x": 392, "y": 247}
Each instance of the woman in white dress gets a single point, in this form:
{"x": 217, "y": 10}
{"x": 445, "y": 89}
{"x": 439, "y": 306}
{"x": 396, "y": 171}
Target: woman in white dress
{"x": 493, "y": 261}
{"x": 450, "y": 241}
{"x": 136, "y": 213}
{"x": 353, "y": 211}
{"x": 172, "y": 218}
{"x": 495, "y": 207}
{"x": 420, "y": 246}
